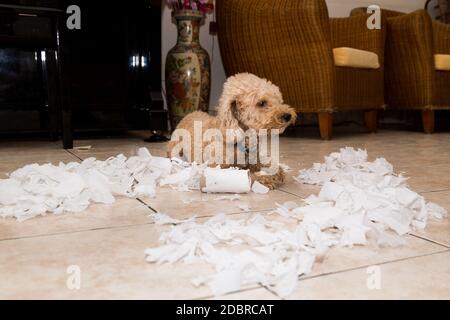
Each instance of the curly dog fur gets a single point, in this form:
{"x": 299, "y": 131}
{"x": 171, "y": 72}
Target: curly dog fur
{"x": 247, "y": 102}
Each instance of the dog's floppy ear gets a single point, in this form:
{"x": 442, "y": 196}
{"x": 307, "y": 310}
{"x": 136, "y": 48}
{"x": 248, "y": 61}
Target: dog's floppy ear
{"x": 227, "y": 112}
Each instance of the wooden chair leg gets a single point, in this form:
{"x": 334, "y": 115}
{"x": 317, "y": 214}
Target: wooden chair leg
{"x": 371, "y": 120}
{"x": 326, "y": 125}
{"x": 428, "y": 121}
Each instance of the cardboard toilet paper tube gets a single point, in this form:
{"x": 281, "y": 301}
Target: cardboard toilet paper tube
{"x": 215, "y": 180}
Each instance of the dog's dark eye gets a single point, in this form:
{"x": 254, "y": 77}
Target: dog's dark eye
{"x": 262, "y": 104}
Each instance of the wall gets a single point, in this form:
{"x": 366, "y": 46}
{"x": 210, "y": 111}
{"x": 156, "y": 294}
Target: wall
{"x": 342, "y": 8}
{"x": 337, "y": 8}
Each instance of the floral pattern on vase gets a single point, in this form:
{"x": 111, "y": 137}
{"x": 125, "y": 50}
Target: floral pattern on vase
{"x": 187, "y": 69}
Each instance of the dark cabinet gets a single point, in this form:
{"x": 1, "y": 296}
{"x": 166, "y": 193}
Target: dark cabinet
{"x": 108, "y": 71}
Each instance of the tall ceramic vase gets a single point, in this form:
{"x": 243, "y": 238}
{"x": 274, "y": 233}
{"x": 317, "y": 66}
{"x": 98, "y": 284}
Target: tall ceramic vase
{"x": 187, "y": 69}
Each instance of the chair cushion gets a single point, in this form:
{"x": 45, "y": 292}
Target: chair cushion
{"x": 442, "y": 62}
{"x": 355, "y": 58}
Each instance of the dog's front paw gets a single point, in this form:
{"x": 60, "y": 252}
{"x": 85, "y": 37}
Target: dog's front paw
{"x": 266, "y": 181}
{"x": 279, "y": 177}
{"x": 270, "y": 181}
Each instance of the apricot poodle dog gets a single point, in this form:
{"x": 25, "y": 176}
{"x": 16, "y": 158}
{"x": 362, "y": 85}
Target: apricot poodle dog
{"x": 248, "y": 104}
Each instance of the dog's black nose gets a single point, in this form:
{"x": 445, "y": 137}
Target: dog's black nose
{"x": 286, "y": 117}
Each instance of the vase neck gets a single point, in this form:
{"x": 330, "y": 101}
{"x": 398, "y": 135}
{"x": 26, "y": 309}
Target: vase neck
{"x": 188, "y": 31}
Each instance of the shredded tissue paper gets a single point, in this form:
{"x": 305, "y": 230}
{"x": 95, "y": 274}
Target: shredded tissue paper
{"x": 359, "y": 202}
{"x": 40, "y": 189}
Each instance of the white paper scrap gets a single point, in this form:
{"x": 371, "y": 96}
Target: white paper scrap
{"x": 360, "y": 202}
{"x": 245, "y": 206}
{"x": 40, "y": 189}
{"x": 162, "y": 218}
{"x": 233, "y": 197}
{"x": 259, "y": 188}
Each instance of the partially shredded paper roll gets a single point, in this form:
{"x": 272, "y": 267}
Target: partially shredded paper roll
{"x": 216, "y": 180}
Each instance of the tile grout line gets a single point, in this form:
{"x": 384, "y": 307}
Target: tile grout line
{"x": 368, "y": 265}
{"x": 123, "y": 226}
{"x": 290, "y": 193}
{"x": 73, "y": 154}
{"x": 419, "y": 192}
{"x": 75, "y": 232}
{"x": 432, "y": 191}
{"x": 147, "y": 205}
{"x": 328, "y": 274}
{"x": 430, "y": 240}
{"x": 425, "y": 166}
{"x": 258, "y": 286}
{"x": 361, "y": 267}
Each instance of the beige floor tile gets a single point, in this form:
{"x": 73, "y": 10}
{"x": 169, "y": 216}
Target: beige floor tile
{"x": 390, "y": 138}
{"x": 128, "y": 152}
{"x": 343, "y": 258}
{"x": 401, "y": 156}
{"x": 24, "y": 147}
{"x": 340, "y": 133}
{"x": 10, "y": 162}
{"x": 406, "y": 156}
{"x": 422, "y": 176}
{"x": 426, "y": 277}
{"x": 301, "y": 190}
{"x": 299, "y": 160}
{"x": 437, "y": 230}
{"x": 429, "y": 178}
{"x": 300, "y": 146}
{"x": 102, "y": 149}
{"x": 426, "y": 173}
{"x": 123, "y": 212}
{"x": 111, "y": 263}
{"x": 188, "y": 204}
{"x": 108, "y": 242}
{"x": 258, "y": 293}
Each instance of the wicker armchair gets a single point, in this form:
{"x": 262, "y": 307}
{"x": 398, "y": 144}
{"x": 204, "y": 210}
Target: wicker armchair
{"x": 412, "y": 81}
{"x": 290, "y": 42}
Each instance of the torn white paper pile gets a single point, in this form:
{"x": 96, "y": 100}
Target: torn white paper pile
{"x": 358, "y": 196}
{"x": 359, "y": 201}
{"x": 184, "y": 176}
{"x": 275, "y": 258}
{"x": 39, "y": 189}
